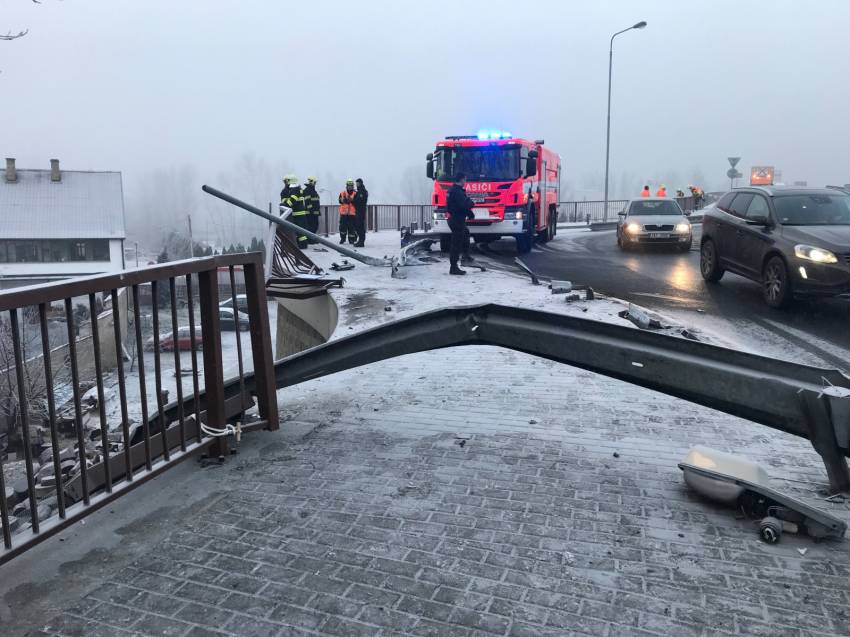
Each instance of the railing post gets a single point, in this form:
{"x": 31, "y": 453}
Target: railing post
{"x": 261, "y": 346}
{"x": 398, "y": 217}
{"x": 211, "y": 339}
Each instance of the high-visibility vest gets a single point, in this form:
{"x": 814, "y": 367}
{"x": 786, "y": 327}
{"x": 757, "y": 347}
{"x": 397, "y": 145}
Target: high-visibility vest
{"x": 346, "y": 203}
{"x": 644, "y": 193}
{"x": 661, "y": 192}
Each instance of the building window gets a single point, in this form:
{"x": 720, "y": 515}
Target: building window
{"x": 100, "y": 250}
{"x": 53, "y": 250}
{"x": 26, "y": 251}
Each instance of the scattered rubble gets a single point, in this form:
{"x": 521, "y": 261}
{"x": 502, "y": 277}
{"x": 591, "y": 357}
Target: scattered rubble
{"x": 561, "y": 287}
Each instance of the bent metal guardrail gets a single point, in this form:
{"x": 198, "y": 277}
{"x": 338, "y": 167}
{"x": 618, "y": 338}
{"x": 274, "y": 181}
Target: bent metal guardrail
{"x": 87, "y": 477}
{"x": 805, "y": 401}
{"x": 786, "y": 396}
{"x": 801, "y": 400}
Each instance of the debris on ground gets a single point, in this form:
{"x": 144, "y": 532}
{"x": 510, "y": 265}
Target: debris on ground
{"x": 561, "y": 287}
{"x": 527, "y": 270}
{"x": 345, "y": 265}
{"x": 640, "y": 317}
{"x": 745, "y": 485}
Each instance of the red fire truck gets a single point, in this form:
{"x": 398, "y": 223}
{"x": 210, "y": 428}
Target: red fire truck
{"x": 515, "y": 184}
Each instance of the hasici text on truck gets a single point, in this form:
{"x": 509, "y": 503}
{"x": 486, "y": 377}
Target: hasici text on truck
{"x": 515, "y": 184}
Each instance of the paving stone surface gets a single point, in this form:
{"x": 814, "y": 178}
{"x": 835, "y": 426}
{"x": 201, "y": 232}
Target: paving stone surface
{"x": 476, "y": 492}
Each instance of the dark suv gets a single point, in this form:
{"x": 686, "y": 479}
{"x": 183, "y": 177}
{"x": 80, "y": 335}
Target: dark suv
{"x": 795, "y": 242}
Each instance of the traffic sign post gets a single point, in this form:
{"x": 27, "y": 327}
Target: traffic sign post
{"x": 733, "y": 174}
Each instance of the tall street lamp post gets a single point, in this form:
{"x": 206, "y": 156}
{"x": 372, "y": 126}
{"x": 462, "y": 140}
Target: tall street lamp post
{"x": 639, "y": 25}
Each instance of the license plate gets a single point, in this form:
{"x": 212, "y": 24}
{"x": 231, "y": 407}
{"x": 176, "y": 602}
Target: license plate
{"x": 481, "y": 213}
{"x": 659, "y": 235}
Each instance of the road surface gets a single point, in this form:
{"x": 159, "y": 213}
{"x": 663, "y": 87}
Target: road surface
{"x": 670, "y": 283}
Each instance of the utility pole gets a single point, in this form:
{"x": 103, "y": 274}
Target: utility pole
{"x": 136, "y": 244}
{"x": 191, "y": 239}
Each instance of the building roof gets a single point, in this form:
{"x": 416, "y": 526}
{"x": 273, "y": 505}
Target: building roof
{"x": 83, "y": 205}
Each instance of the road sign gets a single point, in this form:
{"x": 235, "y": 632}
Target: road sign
{"x": 733, "y": 161}
{"x": 761, "y": 176}
{"x": 733, "y": 173}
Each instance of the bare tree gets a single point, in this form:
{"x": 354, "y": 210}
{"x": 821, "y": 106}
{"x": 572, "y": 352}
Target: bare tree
{"x": 33, "y": 372}
{"x": 14, "y": 36}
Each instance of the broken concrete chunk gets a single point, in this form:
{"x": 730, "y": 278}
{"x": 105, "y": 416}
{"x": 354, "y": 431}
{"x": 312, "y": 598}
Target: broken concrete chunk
{"x": 21, "y": 489}
{"x": 640, "y": 317}
{"x": 561, "y": 287}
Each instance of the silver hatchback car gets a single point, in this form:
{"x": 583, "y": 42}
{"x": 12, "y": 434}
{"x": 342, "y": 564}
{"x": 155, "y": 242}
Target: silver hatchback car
{"x": 654, "y": 221}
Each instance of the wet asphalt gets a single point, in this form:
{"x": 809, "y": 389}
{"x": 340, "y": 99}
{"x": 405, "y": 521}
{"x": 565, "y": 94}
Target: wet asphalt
{"x": 669, "y": 281}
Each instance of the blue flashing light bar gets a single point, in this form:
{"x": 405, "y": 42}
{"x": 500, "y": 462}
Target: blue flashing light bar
{"x": 493, "y": 134}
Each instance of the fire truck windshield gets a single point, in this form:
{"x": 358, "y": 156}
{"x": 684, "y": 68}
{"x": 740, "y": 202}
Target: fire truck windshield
{"x": 478, "y": 164}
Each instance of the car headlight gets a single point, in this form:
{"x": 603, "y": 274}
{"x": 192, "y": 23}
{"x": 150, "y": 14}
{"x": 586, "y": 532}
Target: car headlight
{"x": 818, "y": 255}
{"x": 683, "y": 228}
{"x": 633, "y": 228}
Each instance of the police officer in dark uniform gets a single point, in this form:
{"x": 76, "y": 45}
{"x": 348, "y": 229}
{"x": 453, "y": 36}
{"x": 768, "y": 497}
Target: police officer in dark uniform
{"x": 459, "y": 207}
{"x": 361, "y": 200}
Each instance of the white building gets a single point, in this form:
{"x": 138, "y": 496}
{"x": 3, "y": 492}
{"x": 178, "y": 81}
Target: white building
{"x": 58, "y": 224}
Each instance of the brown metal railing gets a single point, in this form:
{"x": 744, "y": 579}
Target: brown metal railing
{"x": 102, "y": 473}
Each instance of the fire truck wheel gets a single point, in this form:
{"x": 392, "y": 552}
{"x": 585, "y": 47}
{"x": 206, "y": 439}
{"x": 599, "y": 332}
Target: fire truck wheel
{"x": 546, "y": 233}
{"x": 445, "y": 243}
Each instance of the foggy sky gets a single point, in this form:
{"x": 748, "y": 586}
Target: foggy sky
{"x": 365, "y": 89}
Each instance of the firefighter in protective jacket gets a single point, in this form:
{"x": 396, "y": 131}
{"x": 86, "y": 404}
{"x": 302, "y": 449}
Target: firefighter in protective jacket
{"x": 311, "y": 202}
{"x": 292, "y": 197}
{"x": 347, "y": 214}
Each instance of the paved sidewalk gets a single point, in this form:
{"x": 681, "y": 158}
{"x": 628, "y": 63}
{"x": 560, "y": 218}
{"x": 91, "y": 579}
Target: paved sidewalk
{"x": 472, "y": 491}
{"x": 417, "y": 512}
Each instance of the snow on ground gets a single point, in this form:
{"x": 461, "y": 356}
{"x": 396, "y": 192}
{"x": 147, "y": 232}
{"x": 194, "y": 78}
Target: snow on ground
{"x": 368, "y": 290}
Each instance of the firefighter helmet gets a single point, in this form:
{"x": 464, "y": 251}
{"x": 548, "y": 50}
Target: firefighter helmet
{"x": 349, "y": 182}
{"x": 312, "y": 180}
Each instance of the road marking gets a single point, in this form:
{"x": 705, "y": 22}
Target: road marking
{"x": 829, "y": 352}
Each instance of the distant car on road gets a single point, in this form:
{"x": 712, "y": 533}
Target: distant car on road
{"x": 241, "y": 302}
{"x": 794, "y": 241}
{"x": 654, "y": 221}
{"x": 183, "y": 341}
{"x": 225, "y": 319}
